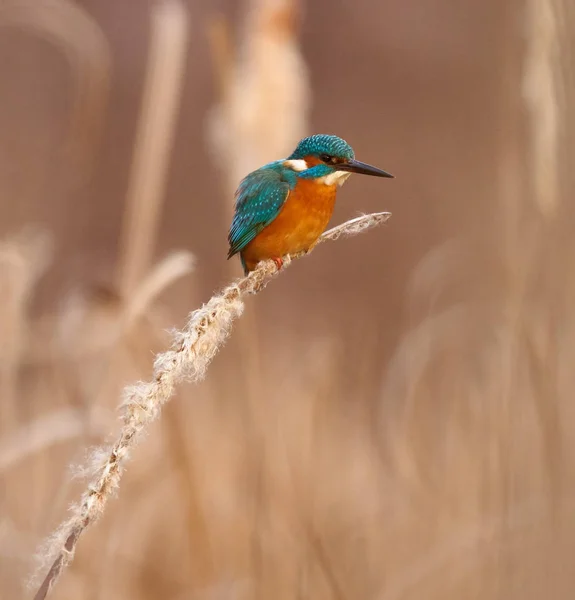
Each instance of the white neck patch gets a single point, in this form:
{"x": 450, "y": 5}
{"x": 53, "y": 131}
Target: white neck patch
{"x": 298, "y": 164}
{"x": 335, "y": 178}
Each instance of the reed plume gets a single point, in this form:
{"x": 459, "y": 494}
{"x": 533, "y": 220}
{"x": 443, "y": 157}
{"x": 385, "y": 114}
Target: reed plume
{"x": 264, "y": 89}
{"x": 194, "y": 347}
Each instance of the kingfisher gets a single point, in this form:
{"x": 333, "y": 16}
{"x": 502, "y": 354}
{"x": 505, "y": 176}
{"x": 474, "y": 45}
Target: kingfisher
{"x": 283, "y": 207}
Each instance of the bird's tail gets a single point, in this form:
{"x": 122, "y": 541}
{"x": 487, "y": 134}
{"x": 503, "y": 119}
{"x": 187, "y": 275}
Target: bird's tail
{"x": 245, "y": 267}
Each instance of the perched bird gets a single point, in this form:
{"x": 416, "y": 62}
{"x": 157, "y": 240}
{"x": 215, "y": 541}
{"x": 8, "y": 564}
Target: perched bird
{"x": 283, "y": 207}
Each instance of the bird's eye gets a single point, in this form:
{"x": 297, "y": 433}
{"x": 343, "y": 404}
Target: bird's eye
{"x": 326, "y": 158}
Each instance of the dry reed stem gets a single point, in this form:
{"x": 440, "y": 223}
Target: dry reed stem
{"x": 264, "y": 108}
{"x": 541, "y": 83}
{"x": 163, "y": 275}
{"x": 194, "y": 347}
{"x": 23, "y": 259}
{"x": 87, "y": 51}
{"x": 221, "y": 48}
{"x": 156, "y": 130}
{"x": 46, "y": 431}
{"x": 87, "y": 326}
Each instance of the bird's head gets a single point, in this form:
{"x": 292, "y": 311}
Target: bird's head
{"x": 328, "y": 158}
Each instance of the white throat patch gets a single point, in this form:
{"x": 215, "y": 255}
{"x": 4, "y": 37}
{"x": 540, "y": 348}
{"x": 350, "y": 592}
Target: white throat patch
{"x": 335, "y": 178}
{"x": 298, "y": 164}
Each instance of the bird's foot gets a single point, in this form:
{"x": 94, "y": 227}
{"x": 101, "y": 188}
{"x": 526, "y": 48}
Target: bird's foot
{"x": 278, "y": 262}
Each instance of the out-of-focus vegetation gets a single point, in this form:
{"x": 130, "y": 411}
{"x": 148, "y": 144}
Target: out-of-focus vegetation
{"x": 393, "y": 418}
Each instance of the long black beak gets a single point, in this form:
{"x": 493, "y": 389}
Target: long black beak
{"x": 355, "y": 166}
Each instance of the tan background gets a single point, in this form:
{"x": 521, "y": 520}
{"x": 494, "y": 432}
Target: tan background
{"x": 393, "y": 416}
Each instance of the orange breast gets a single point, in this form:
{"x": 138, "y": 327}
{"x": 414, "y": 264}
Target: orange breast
{"x": 297, "y": 227}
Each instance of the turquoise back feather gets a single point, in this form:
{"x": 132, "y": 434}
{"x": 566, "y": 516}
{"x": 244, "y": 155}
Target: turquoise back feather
{"x": 259, "y": 199}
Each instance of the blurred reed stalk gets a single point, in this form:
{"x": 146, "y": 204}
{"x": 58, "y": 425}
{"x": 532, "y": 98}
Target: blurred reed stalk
{"x": 194, "y": 348}
{"x": 265, "y": 96}
{"x": 529, "y": 201}
{"x": 23, "y": 259}
{"x": 85, "y": 47}
{"x": 541, "y": 85}
{"x": 263, "y": 110}
{"x": 545, "y": 92}
{"x": 154, "y": 140}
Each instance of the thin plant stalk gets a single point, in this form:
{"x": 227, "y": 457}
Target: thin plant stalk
{"x": 541, "y": 84}
{"x": 194, "y": 347}
{"x": 71, "y": 28}
{"x": 156, "y": 129}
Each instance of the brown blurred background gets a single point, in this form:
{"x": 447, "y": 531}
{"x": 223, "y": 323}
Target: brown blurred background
{"x": 393, "y": 416}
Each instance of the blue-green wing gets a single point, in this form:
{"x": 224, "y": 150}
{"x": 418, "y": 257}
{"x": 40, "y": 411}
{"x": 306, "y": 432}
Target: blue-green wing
{"x": 259, "y": 199}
